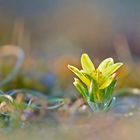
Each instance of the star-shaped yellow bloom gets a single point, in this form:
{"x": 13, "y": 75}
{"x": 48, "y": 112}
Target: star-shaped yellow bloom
{"x": 104, "y": 74}
{"x": 99, "y": 81}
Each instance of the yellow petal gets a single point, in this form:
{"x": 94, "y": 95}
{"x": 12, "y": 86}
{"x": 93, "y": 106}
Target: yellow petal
{"x": 111, "y": 69}
{"x": 79, "y": 74}
{"x": 107, "y": 82}
{"x": 105, "y": 64}
{"x": 87, "y": 64}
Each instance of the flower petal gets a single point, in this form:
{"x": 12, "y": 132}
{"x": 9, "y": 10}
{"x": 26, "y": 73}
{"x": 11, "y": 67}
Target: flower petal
{"x": 113, "y": 68}
{"x": 107, "y": 82}
{"x": 79, "y": 74}
{"x": 105, "y": 64}
{"x": 87, "y": 64}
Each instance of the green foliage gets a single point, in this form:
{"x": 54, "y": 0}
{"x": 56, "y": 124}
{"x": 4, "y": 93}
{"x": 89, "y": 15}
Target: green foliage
{"x": 96, "y": 85}
{"x": 19, "y": 106}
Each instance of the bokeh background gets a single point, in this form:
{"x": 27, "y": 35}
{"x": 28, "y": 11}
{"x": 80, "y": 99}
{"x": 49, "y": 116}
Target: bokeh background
{"x": 54, "y": 33}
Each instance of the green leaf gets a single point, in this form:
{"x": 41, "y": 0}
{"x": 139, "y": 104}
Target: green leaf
{"x": 93, "y": 89}
{"x": 6, "y": 97}
{"x": 87, "y": 64}
{"x": 80, "y": 88}
{"x": 109, "y": 90}
{"x": 79, "y": 74}
{"x": 99, "y": 96}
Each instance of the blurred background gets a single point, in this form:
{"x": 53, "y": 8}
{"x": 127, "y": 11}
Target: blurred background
{"x": 54, "y": 33}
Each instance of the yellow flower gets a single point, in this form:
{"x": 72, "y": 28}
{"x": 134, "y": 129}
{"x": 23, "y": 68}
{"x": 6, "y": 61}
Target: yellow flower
{"x": 103, "y": 75}
{"x": 99, "y": 82}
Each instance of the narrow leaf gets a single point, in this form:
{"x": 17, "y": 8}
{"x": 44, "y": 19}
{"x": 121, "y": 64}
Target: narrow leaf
{"x": 109, "y": 90}
{"x": 93, "y": 89}
{"x": 80, "y": 88}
